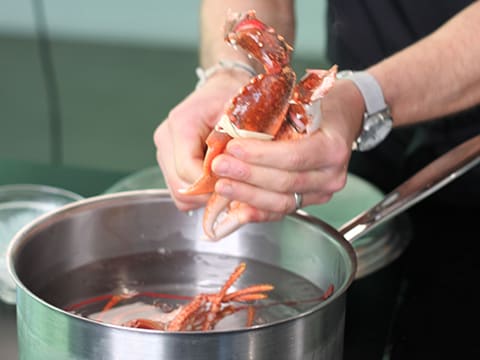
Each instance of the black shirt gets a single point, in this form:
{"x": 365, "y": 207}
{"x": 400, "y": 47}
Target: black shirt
{"x": 363, "y": 32}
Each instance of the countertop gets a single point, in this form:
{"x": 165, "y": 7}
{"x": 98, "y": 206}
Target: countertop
{"x": 417, "y": 307}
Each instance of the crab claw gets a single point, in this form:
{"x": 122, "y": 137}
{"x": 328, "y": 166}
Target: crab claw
{"x": 220, "y": 218}
{"x": 304, "y": 112}
{"x": 259, "y": 40}
{"x": 216, "y": 142}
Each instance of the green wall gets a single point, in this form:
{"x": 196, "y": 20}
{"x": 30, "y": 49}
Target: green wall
{"x": 118, "y": 68}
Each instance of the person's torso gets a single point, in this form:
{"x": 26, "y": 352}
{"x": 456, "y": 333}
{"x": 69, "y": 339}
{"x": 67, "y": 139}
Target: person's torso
{"x": 362, "y": 32}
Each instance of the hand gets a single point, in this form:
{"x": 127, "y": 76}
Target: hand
{"x": 180, "y": 139}
{"x": 265, "y": 174}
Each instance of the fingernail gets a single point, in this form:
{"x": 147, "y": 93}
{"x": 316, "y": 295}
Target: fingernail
{"x": 220, "y": 166}
{"x": 223, "y": 188}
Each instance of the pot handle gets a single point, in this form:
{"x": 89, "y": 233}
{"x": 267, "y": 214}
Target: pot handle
{"x": 432, "y": 177}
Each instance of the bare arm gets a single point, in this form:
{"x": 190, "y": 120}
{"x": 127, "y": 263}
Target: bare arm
{"x": 436, "y": 76}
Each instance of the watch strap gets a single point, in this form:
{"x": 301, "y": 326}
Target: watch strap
{"x": 371, "y": 91}
{"x": 377, "y": 120}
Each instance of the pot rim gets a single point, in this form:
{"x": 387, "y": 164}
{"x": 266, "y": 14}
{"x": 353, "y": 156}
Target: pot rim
{"x": 40, "y": 188}
{"x": 22, "y": 236}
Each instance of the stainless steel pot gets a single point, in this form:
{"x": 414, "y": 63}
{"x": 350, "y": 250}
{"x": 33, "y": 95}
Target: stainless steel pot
{"x": 147, "y": 221}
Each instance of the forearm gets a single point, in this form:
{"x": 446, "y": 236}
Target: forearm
{"x": 276, "y": 13}
{"x": 438, "y": 75}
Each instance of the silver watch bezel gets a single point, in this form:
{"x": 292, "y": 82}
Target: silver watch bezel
{"x": 375, "y": 129}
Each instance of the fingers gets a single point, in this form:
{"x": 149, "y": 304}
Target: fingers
{"x": 325, "y": 174}
{"x": 180, "y": 139}
{"x": 265, "y": 200}
{"x": 186, "y": 130}
{"x": 328, "y": 179}
{"x": 267, "y": 174}
{"x": 262, "y": 175}
{"x": 169, "y": 171}
{"x": 317, "y": 151}
{"x": 247, "y": 214}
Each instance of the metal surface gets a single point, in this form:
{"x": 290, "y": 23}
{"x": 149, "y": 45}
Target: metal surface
{"x": 20, "y": 204}
{"x": 374, "y": 250}
{"x": 137, "y": 222}
{"x": 8, "y": 332}
{"x": 437, "y": 174}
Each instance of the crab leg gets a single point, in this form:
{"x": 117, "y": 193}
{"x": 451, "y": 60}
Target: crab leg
{"x": 145, "y": 324}
{"x": 182, "y": 318}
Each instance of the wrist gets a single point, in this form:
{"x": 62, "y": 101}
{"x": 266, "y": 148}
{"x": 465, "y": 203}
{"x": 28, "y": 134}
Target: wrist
{"x": 377, "y": 120}
{"x": 224, "y": 66}
{"x": 343, "y": 110}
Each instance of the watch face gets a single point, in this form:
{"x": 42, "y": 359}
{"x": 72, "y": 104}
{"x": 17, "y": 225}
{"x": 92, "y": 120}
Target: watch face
{"x": 375, "y": 130}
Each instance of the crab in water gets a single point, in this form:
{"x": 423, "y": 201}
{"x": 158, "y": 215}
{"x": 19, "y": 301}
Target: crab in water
{"x": 272, "y": 106}
{"x": 201, "y": 313}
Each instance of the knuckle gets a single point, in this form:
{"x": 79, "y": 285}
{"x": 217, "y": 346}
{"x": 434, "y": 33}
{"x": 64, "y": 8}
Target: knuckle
{"x": 182, "y": 171}
{"x": 285, "y": 205}
{"x": 285, "y": 183}
{"x": 176, "y": 118}
{"x": 182, "y": 207}
{"x": 341, "y": 155}
{"x": 337, "y": 183}
{"x": 340, "y": 182}
{"x": 299, "y": 181}
{"x": 174, "y": 112}
{"x": 320, "y": 198}
{"x": 295, "y": 159}
{"x": 255, "y": 215}
{"x": 324, "y": 199}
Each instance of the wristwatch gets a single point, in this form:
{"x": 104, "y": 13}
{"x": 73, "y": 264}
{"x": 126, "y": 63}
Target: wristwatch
{"x": 377, "y": 120}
